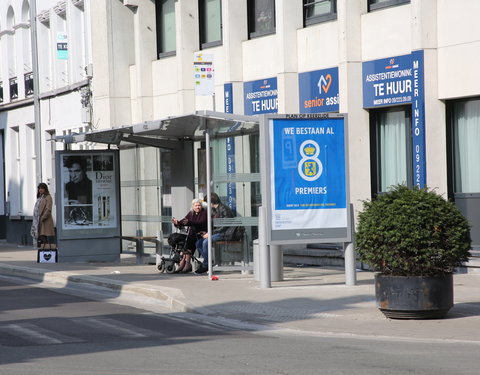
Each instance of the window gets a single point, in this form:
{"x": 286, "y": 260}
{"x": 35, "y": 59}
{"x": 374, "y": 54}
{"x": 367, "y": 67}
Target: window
{"x": 315, "y": 11}
{"x": 210, "y": 12}
{"x": 378, "y": 4}
{"x": 261, "y": 17}
{"x": 166, "y": 32}
{"x": 28, "y": 78}
{"x": 13, "y": 88}
{"x": 465, "y": 123}
{"x": 391, "y": 148}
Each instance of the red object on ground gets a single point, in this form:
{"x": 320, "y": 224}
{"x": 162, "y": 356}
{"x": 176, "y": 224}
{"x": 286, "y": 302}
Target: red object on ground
{"x": 214, "y": 278}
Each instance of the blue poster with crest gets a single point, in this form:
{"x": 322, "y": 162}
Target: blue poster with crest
{"x": 308, "y": 174}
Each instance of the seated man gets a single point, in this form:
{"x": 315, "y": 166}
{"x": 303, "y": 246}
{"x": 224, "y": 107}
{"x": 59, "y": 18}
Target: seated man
{"x": 219, "y": 210}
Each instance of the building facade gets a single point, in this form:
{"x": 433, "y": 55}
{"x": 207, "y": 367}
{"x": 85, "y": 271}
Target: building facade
{"x": 402, "y": 70}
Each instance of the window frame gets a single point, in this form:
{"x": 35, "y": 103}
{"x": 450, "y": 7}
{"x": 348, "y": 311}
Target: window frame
{"x": 332, "y": 15}
{"x": 451, "y": 148}
{"x": 375, "y": 162}
{"x": 252, "y": 33}
{"x": 159, "y": 25}
{"x": 385, "y": 4}
{"x": 202, "y": 29}
{"x": 13, "y": 82}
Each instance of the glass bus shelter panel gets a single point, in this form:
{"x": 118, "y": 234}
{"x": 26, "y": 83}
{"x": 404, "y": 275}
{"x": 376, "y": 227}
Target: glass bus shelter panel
{"x": 236, "y": 180}
{"x": 141, "y": 195}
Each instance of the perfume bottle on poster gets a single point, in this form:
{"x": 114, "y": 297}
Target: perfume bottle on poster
{"x": 103, "y": 208}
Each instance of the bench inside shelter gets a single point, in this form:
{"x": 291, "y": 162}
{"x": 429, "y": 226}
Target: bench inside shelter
{"x": 231, "y": 252}
{"x": 140, "y": 246}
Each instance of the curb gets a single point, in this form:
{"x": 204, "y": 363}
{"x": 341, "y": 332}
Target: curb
{"x": 172, "y": 299}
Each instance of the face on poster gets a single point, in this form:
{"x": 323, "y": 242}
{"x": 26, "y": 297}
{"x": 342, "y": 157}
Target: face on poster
{"x": 89, "y": 192}
{"x": 308, "y": 183}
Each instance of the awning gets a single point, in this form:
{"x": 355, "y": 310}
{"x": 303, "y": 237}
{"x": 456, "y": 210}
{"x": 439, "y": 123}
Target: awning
{"x": 166, "y": 133}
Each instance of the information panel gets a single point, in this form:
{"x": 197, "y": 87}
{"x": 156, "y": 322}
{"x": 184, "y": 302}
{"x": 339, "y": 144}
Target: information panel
{"x": 307, "y": 179}
{"x": 260, "y": 96}
{"x": 399, "y": 80}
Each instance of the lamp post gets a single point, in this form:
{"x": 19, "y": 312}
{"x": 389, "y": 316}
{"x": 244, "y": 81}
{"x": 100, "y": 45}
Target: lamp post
{"x": 36, "y": 89}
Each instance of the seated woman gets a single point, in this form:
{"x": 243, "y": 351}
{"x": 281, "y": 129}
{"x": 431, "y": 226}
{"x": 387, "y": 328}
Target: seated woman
{"x": 196, "y": 219}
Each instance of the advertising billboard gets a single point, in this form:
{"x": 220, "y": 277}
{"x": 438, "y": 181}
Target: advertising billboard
{"x": 399, "y": 80}
{"x": 87, "y": 191}
{"x": 307, "y": 179}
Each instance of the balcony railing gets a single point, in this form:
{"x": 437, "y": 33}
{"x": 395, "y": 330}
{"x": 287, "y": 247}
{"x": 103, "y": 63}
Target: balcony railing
{"x": 13, "y": 88}
{"x": 28, "y": 84}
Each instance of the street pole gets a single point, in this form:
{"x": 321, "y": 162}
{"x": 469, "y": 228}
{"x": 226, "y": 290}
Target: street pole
{"x": 350, "y": 258}
{"x": 209, "y": 200}
{"x": 263, "y": 248}
{"x": 36, "y": 92}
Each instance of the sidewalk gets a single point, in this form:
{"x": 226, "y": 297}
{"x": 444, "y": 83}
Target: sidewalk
{"x": 314, "y": 300}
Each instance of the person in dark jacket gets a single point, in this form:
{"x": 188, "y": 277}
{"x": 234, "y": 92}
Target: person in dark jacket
{"x": 219, "y": 210}
{"x": 79, "y": 188}
{"x": 196, "y": 220}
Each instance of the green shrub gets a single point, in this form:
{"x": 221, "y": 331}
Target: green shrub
{"x": 412, "y": 232}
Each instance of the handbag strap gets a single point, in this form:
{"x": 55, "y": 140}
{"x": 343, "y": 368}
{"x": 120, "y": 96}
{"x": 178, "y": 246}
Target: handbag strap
{"x": 45, "y": 243}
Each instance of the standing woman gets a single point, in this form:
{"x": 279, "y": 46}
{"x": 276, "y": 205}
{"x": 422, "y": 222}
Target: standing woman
{"x": 42, "y": 226}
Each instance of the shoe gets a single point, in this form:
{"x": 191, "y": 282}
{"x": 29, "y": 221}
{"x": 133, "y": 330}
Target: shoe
{"x": 201, "y": 270}
{"x": 187, "y": 268}
{"x": 181, "y": 266}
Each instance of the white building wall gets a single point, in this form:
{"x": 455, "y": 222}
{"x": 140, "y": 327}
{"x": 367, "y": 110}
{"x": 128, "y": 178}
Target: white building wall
{"x": 131, "y": 85}
{"x": 113, "y": 52}
{"x": 354, "y": 37}
{"x": 458, "y": 48}
{"x": 60, "y": 106}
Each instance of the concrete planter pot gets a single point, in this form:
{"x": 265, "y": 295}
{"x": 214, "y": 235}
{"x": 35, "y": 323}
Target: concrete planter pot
{"x": 414, "y": 297}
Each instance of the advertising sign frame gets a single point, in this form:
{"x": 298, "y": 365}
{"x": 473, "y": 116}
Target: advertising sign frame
{"x": 92, "y": 208}
{"x": 306, "y": 195}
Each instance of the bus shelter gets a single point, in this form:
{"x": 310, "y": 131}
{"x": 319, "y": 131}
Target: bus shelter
{"x": 164, "y": 164}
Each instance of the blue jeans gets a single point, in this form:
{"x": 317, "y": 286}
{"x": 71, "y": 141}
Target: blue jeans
{"x": 202, "y": 246}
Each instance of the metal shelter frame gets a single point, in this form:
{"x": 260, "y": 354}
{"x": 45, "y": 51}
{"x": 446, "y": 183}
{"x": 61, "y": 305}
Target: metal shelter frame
{"x": 169, "y": 133}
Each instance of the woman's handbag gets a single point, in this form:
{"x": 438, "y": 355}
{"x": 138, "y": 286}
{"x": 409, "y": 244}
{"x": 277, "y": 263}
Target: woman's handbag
{"x": 47, "y": 255}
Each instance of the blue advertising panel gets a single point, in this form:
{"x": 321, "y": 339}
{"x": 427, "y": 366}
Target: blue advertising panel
{"x": 400, "y": 80}
{"x": 418, "y": 122}
{"x": 230, "y": 150}
{"x": 318, "y": 91}
{"x": 308, "y": 177}
{"x": 228, "y": 97}
{"x": 260, "y": 96}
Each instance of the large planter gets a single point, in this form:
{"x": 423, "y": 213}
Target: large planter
{"x": 414, "y": 297}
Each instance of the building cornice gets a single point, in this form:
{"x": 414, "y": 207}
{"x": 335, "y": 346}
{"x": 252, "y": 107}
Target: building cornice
{"x": 16, "y": 104}
{"x": 63, "y": 90}
{"x": 7, "y": 32}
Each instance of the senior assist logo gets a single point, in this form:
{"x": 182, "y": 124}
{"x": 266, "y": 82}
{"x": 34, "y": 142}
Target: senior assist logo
{"x": 318, "y": 91}
{"x": 310, "y": 167}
